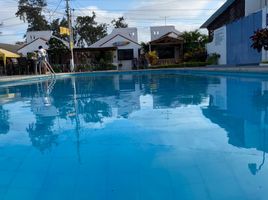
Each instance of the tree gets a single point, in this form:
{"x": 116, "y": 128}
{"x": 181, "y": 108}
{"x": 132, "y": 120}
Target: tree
{"x": 4, "y": 124}
{"x": 57, "y": 47}
{"x": 55, "y": 28}
{"x": 31, "y": 11}
{"x": 89, "y": 30}
{"x": 119, "y": 22}
{"x": 145, "y": 47}
{"x": 195, "y": 46}
{"x": 194, "y": 40}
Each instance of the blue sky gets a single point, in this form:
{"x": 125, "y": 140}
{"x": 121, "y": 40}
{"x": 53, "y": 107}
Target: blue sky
{"x": 184, "y": 14}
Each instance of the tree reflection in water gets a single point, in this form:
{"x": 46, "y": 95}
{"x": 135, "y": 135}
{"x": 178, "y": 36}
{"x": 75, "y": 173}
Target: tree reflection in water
{"x": 4, "y": 124}
{"x": 41, "y": 133}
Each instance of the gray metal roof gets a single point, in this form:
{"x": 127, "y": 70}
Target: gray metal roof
{"x": 218, "y": 13}
{"x": 10, "y": 47}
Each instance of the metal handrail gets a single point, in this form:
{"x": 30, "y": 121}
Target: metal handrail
{"x": 50, "y": 69}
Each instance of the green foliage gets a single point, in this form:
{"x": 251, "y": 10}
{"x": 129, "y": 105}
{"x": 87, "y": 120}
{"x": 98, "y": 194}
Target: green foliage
{"x": 152, "y": 57}
{"x": 55, "y": 28}
{"x": 31, "y": 11}
{"x": 195, "y": 46}
{"x": 57, "y": 47}
{"x": 89, "y": 30}
{"x": 195, "y": 55}
{"x": 181, "y": 65}
{"x": 145, "y": 47}
{"x": 119, "y": 23}
{"x": 213, "y": 59}
{"x": 260, "y": 40}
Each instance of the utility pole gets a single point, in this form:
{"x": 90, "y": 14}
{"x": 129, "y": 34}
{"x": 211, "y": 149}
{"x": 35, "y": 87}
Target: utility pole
{"x": 71, "y": 42}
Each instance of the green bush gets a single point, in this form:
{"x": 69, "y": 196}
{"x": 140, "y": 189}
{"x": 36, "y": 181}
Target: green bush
{"x": 181, "y": 65}
{"x": 213, "y": 59}
{"x": 101, "y": 67}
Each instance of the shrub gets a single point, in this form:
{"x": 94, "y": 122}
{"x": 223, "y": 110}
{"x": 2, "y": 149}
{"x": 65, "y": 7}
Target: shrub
{"x": 213, "y": 59}
{"x": 260, "y": 39}
{"x": 152, "y": 57}
{"x": 181, "y": 65}
{"x": 196, "y": 55}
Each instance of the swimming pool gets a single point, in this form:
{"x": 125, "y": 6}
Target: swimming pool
{"x": 141, "y": 136}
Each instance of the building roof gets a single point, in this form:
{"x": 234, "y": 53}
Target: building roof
{"x": 32, "y": 42}
{"x": 226, "y": 5}
{"x": 174, "y": 37}
{"x": 10, "y": 47}
{"x": 115, "y": 33}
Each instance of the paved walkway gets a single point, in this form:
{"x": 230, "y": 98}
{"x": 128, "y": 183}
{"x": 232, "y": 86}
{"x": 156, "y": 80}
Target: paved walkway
{"x": 250, "y": 69}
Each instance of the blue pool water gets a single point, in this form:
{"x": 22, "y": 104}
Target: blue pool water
{"x": 147, "y": 136}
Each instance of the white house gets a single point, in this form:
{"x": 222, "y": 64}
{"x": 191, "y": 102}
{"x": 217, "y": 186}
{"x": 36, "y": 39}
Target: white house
{"x": 159, "y": 31}
{"x": 168, "y": 44}
{"x": 126, "y": 41}
{"x": 34, "y": 39}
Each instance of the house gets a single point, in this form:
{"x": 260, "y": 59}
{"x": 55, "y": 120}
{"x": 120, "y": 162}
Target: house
{"x": 34, "y": 39}
{"x": 230, "y": 29}
{"x": 127, "y": 47}
{"x": 168, "y": 44}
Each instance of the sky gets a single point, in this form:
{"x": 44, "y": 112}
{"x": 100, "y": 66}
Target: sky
{"x": 183, "y": 14}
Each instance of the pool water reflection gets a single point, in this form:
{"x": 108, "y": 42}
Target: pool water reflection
{"x": 135, "y": 136}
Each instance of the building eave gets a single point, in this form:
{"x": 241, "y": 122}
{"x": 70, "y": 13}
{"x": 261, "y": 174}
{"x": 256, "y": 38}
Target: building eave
{"x": 226, "y": 5}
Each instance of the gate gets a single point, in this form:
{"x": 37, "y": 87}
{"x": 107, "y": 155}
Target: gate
{"x": 239, "y": 51}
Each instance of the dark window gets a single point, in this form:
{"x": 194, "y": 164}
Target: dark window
{"x": 165, "y": 52}
{"x": 125, "y": 54}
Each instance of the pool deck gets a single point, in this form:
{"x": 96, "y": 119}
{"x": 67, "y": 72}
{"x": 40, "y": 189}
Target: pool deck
{"x": 249, "y": 69}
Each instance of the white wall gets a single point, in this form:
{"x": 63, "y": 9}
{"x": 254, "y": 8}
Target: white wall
{"x": 219, "y": 94}
{"x": 32, "y": 47}
{"x": 219, "y": 45}
{"x": 159, "y": 31}
{"x": 252, "y": 6}
{"x": 33, "y": 35}
{"x": 131, "y": 33}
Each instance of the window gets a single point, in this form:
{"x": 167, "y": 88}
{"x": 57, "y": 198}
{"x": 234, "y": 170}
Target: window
{"x": 125, "y": 54}
{"x": 165, "y": 52}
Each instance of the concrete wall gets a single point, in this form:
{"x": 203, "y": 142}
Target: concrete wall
{"x": 219, "y": 45}
{"x": 252, "y": 6}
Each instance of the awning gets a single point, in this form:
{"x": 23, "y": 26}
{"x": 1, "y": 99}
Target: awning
{"x": 7, "y": 54}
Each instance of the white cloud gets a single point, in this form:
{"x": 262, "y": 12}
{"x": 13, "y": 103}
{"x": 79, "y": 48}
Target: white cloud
{"x": 13, "y": 28}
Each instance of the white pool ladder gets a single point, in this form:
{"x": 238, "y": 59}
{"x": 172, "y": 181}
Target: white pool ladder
{"x": 48, "y": 67}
